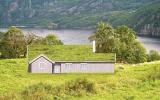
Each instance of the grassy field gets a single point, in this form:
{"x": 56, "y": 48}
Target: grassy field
{"x": 130, "y": 82}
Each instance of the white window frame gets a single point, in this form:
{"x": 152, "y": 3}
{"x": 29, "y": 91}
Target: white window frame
{"x": 83, "y": 66}
{"x": 41, "y": 67}
{"x": 68, "y": 66}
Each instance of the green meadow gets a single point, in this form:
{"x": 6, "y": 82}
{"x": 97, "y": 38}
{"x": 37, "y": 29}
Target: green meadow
{"x": 130, "y": 82}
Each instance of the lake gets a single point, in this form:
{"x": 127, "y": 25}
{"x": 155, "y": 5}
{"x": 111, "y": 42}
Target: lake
{"x": 75, "y": 36}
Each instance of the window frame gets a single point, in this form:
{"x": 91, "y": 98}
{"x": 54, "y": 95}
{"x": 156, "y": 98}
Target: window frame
{"x": 83, "y": 66}
{"x": 68, "y": 66}
{"x": 42, "y": 67}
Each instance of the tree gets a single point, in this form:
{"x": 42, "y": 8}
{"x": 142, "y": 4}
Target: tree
{"x": 13, "y": 45}
{"x": 137, "y": 53}
{"x": 129, "y": 50}
{"x": 30, "y": 38}
{"x": 51, "y": 39}
{"x": 1, "y": 37}
{"x": 121, "y": 41}
{"x": 126, "y": 34}
{"x": 105, "y": 38}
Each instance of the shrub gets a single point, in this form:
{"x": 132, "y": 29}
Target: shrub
{"x": 78, "y": 87}
{"x": 41, "y": 91}
{"x": 51, "y": 39}
{"x": 153, "y": 55}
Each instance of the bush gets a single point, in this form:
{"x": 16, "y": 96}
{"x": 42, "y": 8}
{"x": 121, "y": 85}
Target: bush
{"x": 78, "y": 87}
{"x": 41, "y": 91}
{"x": 51, "y": 39}
{"x": 153, "y": 55}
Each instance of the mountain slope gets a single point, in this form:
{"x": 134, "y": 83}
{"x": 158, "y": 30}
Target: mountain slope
{"x": 73, "y": 13}
{"x": 146, "y": 20}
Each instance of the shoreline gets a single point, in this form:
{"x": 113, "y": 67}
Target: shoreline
{"x": 46, "y": 28}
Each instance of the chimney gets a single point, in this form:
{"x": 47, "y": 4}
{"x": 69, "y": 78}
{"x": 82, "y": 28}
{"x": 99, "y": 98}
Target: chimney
{"x": 94, "y": 46}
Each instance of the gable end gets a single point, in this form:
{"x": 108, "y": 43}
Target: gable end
{"x": 32, "y": 61}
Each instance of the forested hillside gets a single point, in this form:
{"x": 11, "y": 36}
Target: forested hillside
{"x": 81, "y": 13}
{"x": 146, "y": 20}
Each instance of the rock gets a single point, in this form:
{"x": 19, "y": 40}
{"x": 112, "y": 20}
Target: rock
{"x": 121, "y": 67}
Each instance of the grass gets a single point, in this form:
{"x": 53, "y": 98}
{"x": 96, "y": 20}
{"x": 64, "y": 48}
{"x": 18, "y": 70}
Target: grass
{"x": 69, "y": 53}
{"x": 130, "y": 82}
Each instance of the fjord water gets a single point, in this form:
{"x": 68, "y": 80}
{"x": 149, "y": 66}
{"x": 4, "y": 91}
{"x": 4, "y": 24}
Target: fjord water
{"x": 72, "y": 36}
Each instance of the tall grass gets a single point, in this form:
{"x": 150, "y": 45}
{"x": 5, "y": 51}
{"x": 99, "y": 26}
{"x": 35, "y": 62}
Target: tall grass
{"x": 38, "y": 91}
{"x": 152, "y": 74}
{"x": 44, "y": 91}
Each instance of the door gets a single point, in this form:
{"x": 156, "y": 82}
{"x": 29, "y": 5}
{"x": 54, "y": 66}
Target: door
{"x": 57, "y": 68}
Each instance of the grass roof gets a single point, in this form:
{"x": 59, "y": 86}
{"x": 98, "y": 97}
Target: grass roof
{"x": 69, "y": 53}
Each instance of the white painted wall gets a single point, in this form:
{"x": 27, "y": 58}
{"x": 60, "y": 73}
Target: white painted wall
{"x": 35, "y": 68}
{"x": 88, "y": 68}
{"x": 76, "y": 67}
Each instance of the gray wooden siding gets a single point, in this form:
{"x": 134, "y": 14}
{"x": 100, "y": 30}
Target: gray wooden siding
{"x": 87, "y": 67}
{"x": 45, "y": 68}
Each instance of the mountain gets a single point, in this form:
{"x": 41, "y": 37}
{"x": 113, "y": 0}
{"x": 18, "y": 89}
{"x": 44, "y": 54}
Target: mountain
{"x": 146, "y": 20}
{"x": 80, "y": 13}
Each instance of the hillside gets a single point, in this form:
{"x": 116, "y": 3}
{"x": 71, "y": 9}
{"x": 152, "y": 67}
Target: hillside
{"x": 146, "y": 20}
{"x": 80, "y": 13}
{"x": 136, "y": 82}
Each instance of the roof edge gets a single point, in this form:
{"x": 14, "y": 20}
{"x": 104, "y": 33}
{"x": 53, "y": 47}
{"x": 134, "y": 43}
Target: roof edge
{"x": 41, "y": 55}
{"x": 85, "y": 61}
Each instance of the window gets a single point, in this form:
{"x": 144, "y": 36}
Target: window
{"x": 68, "y": 66}
{"x": 42, "y": 65}
{"x": 83, "y": 66}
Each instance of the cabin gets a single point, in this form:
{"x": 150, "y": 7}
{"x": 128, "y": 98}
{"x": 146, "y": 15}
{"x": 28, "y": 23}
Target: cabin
{"x": 43, "y": 64}
{"x": 69, "y": 59}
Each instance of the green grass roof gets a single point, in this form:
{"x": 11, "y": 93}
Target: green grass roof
{"x": 69, "y": 53}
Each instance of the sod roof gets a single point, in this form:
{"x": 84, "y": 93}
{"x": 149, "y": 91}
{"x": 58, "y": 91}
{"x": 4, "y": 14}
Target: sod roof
{"x": 75, "y": 53}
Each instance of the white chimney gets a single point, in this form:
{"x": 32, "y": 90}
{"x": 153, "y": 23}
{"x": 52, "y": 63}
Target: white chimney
{"x": 94, "y": 46}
